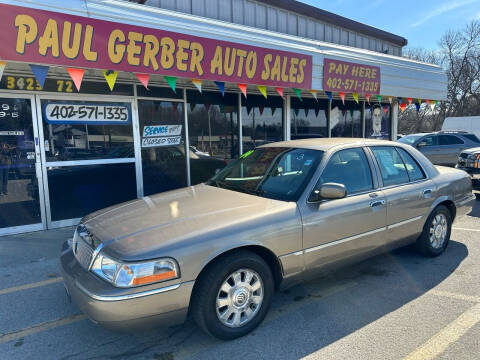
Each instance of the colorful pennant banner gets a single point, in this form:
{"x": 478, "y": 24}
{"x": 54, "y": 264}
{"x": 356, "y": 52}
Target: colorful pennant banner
{"x": 2, "y": 67}
{"x": 263, "y": 90}
{"x": 221, "y": 86}
{"x": 402, "y": 107}
{"x": 171, "y": 81}
{"x": 329, "y": 95}
{"x": 279, "y": 91}
{"x": 298, "y": 92}
{"x": 379, "y": 98}
{"x": 314, "y": 94}
{"x": 243, "y": 89}
{"x": 273, "y": 109}
{"x": 77, "y": 76}
{"x": 342, "y": 96}
{"x": 400, "y": 100}
{"x": 306, "y": 111}
{"x": 367, "y": 96}
{"x": 390, "y": 99}
{"x": 40, "y": 73}
{"x": 355, "y": 97}
{"x": 110, "y": 77}
{"x": 143, "y": 78}
{"x": 192, "y": 106}
{"x": 409, "y": 101}
{"x": 260, "y": 110}
{"x": 197, "y": 83}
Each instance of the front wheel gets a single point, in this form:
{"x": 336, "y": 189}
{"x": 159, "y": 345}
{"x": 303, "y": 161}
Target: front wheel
{"x": 233, "y": 296}
{"x": 436, "y": 232}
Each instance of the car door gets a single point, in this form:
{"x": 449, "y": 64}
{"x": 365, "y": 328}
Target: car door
{"x": 408, "y": 191}
{"x": 428, "y": 146}
{"x": 451, "y": 146}
{"x": 347, "y": 228}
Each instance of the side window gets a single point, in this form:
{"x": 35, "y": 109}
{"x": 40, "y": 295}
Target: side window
{"x": 349, "y": 167}
{"x": 415, "y": 172}
{"x": 391, "y": 165}
{"x": 450, "y": 140}
{"x": 429, "y": 140}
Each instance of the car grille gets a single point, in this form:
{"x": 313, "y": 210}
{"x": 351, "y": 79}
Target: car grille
{"x": 82, "y": 251}
{"x": 463, "y": 155}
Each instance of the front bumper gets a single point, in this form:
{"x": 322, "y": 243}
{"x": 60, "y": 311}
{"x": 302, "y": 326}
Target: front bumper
{"x": 118, "y": 309}
{"x": 473, "y": 172}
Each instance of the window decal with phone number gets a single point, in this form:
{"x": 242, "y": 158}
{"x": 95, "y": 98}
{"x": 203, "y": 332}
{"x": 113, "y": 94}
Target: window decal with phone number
{"x": 83, "y": 113}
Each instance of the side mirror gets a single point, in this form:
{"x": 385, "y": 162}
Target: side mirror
{"x": 328, "y": 191}
{"x": 421, "y": 144}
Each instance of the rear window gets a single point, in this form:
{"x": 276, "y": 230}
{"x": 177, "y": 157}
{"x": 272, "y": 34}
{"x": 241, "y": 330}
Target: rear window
{"x": 472, "y": 137}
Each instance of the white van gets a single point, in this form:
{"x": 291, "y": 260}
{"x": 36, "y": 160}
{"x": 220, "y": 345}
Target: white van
{"x": 470, "y": 124}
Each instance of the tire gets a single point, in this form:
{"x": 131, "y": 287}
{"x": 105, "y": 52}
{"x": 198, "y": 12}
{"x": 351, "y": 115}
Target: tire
{"x": 240, "y": 297}
{"x": 430, "y": 243}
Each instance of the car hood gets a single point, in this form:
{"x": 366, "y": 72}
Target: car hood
{"x": 134, "y": 229}
{"x": 471, "y": 151}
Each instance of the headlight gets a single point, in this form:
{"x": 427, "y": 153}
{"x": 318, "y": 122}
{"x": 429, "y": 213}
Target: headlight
{"x": 134, "y": 274}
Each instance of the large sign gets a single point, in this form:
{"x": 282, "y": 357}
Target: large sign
{"x": 46, "y": 37}
{"x": 350, "y": 77}
{"x": 83, "y": 113}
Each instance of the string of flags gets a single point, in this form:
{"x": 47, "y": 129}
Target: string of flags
{"x": 76, "y": 74}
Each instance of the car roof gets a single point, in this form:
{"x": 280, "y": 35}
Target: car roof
{"x": 445, "y": 132}
{"x": 325, "y": 144}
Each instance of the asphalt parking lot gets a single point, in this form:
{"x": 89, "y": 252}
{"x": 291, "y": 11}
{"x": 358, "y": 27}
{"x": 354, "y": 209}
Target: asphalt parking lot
{"x": 395, "y": 306}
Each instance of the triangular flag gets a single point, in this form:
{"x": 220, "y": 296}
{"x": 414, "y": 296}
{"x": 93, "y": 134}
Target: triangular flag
{"x": 298, "y": 92}
{"x": 355, "y": 97}
{"x": 306, "y": 111}
{"x": 192, "y": 106}
{"x": 249, "y": 109}
{"x": 314, "y": 94}
{"x": 207, "y": 107}
{"x": 329, "y": 94}
{"x": 111, "y": 77}
{"x": 171, "y": 81}
{"x": 174, "y": 106}
{"x": 222, "y": 108}
{"x": 197, "y": 83}
{"x": 296, "y": 111}
{"x": 409, "y": 101}
{"x": 400, "y": 100}
{"x": 419, "y": 101}
{"x": 417, "y": 105}
{"x": 260, "y": 110}
{"x": 402, "y": 107}
{"x": 243, "y": 89}
{"x": 390, "y": 99}
{"x": 221, "y": 86}
{"x": 317, "y": 110}
{"x": 40, "y": 73}
{"x": 342, "y": 96}
{"x": 351, "y": 113}
{"x": 385, "y": 109}
{"x": 379, "y": 98}
{"x": 263, "y": 90}
{"x": 77, "y": 76}
{"x": 367, "y": 96}
{"x": 279, "y": 91}
{"x": 2, "y": 67}
{"x": 273, "y": 109}
{"x": 432, "y": 104}
{"x": 143, "y": 78}
{"x": 344, "y": 112}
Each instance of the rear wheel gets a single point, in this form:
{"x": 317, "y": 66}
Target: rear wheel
{"x": 233, "y": 296}
{"x": 436, "y": 232}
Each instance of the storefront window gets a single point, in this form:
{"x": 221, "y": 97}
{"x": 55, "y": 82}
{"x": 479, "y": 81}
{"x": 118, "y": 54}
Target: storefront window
{"x": 262, "y": 121}
{"x": 71, "y": 132}
{"x": 76, "y": 191}
{"x": 213, "y": 132}
{"x": 163, "y": 145}
{"x": 308, "y": 118}
{"x": 377, "y": 121}
{"x": 19, "y": 199}
{"x": 346, "y": 119}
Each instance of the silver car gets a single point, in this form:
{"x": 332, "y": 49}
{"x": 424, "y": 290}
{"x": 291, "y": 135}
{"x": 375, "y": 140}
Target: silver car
{"x": 277, "y": 216}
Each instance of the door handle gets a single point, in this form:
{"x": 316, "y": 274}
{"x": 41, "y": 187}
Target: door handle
{"x": 377, "y": 203}
{"x": 427, "y": 192}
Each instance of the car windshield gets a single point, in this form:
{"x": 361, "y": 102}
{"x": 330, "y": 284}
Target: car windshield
{"x": 273, "y": 172}
{"x": 409, "y": 139}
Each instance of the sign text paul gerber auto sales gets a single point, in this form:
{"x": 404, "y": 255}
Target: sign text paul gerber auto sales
{"x": 60, "y": 39}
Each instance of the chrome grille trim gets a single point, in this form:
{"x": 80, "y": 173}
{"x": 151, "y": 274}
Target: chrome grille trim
{"x": 82, "y": 251}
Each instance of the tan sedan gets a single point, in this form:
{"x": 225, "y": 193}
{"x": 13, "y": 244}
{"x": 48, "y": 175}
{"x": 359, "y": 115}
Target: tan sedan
{"x": 278, "y": 215}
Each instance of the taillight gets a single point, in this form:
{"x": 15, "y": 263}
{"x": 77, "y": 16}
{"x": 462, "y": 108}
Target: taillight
{"x": 477, "y": 160}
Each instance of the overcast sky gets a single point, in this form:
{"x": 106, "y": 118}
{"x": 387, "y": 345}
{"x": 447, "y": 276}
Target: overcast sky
{"x": 422, "y": 22}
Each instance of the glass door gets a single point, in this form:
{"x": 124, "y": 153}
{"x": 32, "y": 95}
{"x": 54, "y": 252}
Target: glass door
{"x": 162, "y": 131}
{"x": 21, "y": 188}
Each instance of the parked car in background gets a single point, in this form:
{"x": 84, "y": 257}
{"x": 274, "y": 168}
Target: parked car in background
{"x": 469, "y": 161}
{"x": 469, "y": 124}
{"x": 443, "y": 147}
{"x": 279, "y": 214}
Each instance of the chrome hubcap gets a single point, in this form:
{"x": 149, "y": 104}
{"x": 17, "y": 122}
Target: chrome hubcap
{"x": 239, "y": 298}
{"x": 438, "y": 231}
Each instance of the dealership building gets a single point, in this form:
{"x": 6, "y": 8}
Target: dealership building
{"x": 103, "y": 102}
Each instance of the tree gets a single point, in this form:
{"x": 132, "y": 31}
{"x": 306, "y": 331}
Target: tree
{"x": 459, "y": 56}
